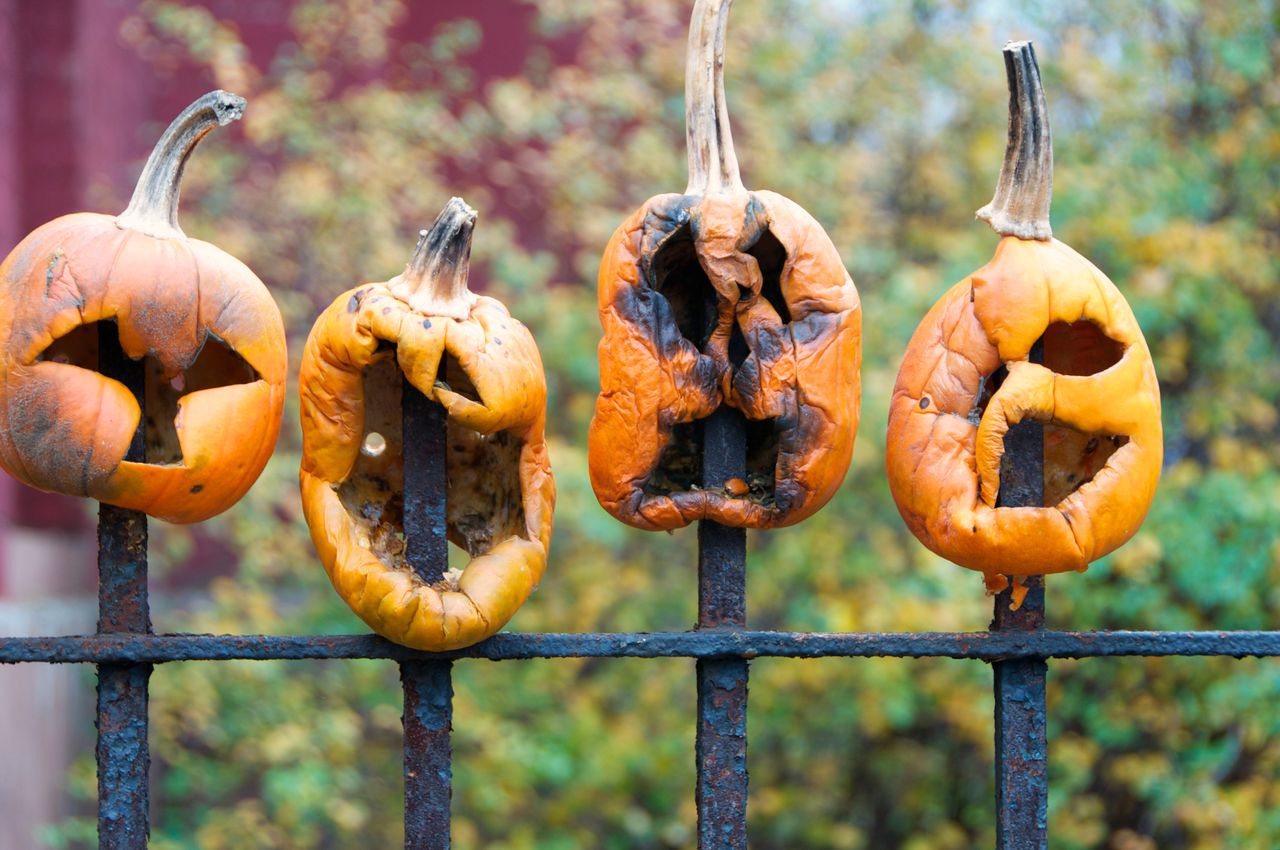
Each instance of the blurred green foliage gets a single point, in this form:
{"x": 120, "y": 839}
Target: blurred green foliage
{"x": 887, "y": 121}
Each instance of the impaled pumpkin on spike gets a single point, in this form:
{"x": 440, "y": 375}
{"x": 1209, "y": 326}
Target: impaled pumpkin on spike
{"x": 467, "y": 353}
{"x": 722, "y": 296}
{"x": 968, "y": 376}
{"x": 212, "y": 339}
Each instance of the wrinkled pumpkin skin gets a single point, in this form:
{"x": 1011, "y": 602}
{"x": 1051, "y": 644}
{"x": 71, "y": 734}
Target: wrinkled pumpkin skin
{"x": 944, "y": 449}
{"x": 802, "y": 373}
{"x": 66, "y": 429}
{"x": 500, "y": 513}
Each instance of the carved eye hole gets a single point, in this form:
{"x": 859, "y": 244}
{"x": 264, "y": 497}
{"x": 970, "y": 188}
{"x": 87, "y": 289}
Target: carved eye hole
{"x": 1080, "y": 348}
{"x": 677, "y": 276}
{"x": 771, "y": 257}
{"x": 217, "y": 365}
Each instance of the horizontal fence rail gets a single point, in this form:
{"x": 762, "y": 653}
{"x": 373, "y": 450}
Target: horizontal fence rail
{"x": 978, "y": 646}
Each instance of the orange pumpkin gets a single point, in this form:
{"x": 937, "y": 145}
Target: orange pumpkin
{"x": 968, "y": 377}
{"x": 722, "y": 296}
{"x": 468, "y": 354}
{"x": 212, "y": 339}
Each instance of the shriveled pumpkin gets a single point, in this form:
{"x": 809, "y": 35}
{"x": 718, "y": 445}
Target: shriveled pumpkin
{"x": 468, "y": 354}
{"x": 968, "y": 377}
{"x": 722, "y": 296}
{"x": 210, "y": 335}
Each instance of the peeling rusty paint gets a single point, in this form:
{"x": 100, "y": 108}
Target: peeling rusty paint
{"x": 428, "y": 685}
{"x": 122, "y": 752}
{"x": 721, "y": 747}
{"x": 1022, "y": 749}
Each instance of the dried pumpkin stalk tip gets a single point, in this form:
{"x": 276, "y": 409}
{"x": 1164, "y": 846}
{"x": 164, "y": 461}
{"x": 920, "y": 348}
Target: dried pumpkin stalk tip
{"x": 1024, "y": 190}
{"x": 713, "y": 163}
{"x": 434, "y": 282}
{"x": 153, "y": 209}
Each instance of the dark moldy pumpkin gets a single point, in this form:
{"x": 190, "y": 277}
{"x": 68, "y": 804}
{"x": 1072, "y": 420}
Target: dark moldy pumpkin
{"x": 722, "y": 296}
{"x": 210, "y": 336}
{"x": 468, "y": 354}
{"x": 968, "y": 377}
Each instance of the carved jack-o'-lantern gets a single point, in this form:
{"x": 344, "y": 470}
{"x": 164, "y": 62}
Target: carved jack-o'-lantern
{"x": 722, "y": 296}
{"x": 968, "y": 377}
{"x": 468, "y": 354}
{"x": 210, "y": 334}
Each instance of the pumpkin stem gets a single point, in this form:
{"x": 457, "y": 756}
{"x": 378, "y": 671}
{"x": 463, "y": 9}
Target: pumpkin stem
{"x": 435, "y": 281}
{"x": 1025, "y": 190}
{"x": 713, "y": 165}
{"x": 153, "y": 209}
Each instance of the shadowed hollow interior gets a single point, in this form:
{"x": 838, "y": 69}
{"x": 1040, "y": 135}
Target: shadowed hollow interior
{"x": 679, "y": 278}
{"x": 485, "y": 504}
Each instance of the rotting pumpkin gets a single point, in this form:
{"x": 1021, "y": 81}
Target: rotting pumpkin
{"x": 968, "y": 376}
{"x": 468, "y": 354}
{"x": 722, "y": 296}
{"x": 209, "y": 333}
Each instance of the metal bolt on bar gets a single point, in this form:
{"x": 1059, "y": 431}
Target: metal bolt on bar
{"x": 122, "y": 752}
{"x": 428, "y": 685}
{"x": 1022, "y": 780}
{"x": 721, "y": 746}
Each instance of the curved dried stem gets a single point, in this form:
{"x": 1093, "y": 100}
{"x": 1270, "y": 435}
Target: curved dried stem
{"x": 1025, "y": 190}
{"x": 153, "y": 209}
{"x": 713, "y": 165}
{"x": 435, "y": 281}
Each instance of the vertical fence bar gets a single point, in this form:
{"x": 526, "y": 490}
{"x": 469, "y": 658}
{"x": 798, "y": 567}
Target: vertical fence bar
{"x": 123, "y": 755}
{"x": 1022, "y": 781}
{"x": 721, "y": 748}
{"x": 428, "y": 685}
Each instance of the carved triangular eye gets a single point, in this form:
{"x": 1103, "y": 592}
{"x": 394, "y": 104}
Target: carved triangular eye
{"x": 217, "y": 365}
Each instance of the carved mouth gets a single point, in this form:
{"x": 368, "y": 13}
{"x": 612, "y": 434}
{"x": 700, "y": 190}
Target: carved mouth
{"x": 485, "y": 504}
{"x": 1072, "y": 458}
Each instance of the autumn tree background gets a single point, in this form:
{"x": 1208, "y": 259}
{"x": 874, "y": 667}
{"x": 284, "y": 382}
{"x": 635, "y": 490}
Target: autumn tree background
{"x": 886, "y": 120}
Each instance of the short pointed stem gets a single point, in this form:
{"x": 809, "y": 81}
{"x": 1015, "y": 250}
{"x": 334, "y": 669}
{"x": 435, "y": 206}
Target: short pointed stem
{"x": 435, "y": 281}
{"x": 1025, "y": 190}
{"x": 153, "y": 209}
{"x": 713, "y": 164}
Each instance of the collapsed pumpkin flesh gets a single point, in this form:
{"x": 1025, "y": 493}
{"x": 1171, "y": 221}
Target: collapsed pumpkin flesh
{"x": 468, "y": 354}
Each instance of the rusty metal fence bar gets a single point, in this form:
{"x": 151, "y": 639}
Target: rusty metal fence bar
{"x": 1021, "y": 716}
{"x": 428, "y": 685}
{"x": 988, "y": 647}
{"x": 720, "y": 748}
{"x": 122, "y": 750}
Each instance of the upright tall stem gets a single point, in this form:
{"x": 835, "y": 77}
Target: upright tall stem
{"x": 153, "y": 209}
{"x": 713, "y": 165}
{"x": 435, "y": 281}
{"x": 1025, "y": 190}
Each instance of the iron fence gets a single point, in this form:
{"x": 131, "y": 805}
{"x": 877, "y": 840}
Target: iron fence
{"x": 1017, "y": 645}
